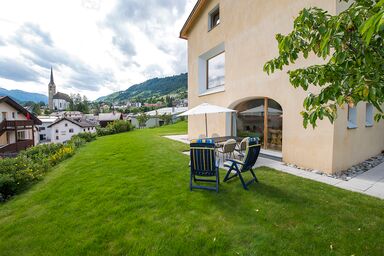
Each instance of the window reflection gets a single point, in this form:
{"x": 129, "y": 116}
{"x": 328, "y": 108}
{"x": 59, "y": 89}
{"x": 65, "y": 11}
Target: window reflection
{"x": 216, "y": 71}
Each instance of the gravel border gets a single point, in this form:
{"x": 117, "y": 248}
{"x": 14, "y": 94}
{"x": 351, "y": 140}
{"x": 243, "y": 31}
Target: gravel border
{"x": 351, "y": 172}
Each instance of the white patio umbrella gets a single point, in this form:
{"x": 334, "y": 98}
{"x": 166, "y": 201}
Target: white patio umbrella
{"x": 206, "y": 108}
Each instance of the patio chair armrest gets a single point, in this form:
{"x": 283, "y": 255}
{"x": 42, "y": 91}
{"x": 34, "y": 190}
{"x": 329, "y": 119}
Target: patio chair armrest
{"x": 234, "y": 161}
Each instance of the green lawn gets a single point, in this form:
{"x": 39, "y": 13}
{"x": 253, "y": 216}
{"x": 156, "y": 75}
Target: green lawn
{"x": 128, "y": 194}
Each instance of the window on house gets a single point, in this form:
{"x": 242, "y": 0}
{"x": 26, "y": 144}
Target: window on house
{"x": 352, "y": 117}
{"x": 214, "y": 18}
{"x": 57, "y": 137}
{"x": 13, "y": 115}
{"x": 57, "y": 131}
{"x": 369, "y": 115}
{"x": 21, "y": 135}
{"x": 83, "y": 129}
{"x": 66, "y": 125}
{"x": 41, "y": 128}
{"x": 71, "y": 130}
{"x": 4, "y": 115}
{"x": 216, "y": 71}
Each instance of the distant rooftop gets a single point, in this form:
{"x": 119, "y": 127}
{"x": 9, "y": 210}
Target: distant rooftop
{"x": 109, "y": 116}
{"x": 168, "y": 111}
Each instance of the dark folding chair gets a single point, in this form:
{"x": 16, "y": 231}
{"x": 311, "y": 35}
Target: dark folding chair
{"x": 251, "y": 154}
{"x": 204, "y": 164}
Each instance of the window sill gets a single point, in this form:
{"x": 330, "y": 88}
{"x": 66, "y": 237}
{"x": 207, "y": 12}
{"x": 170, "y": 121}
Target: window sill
{"x": 209, "y": 30}
{"x": 212, "y": 91}
{"x": 351, "y": 127}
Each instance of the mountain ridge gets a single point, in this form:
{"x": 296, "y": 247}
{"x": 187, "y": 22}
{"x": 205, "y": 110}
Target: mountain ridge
{"x": 24, "y": 96}
{"x": 154, "y": 87}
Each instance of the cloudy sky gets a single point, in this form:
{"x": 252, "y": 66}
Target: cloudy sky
{"x": 94, "y": 46}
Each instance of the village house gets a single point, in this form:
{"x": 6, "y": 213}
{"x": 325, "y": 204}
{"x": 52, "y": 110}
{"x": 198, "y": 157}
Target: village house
{"x": 72, "y": 114}
{"x": 44, "y": 129}
{"x": 106, "y": 118}
{"x": 64, "y": 128}
{"x": 17, "y": 127}
{"x": 228, "y": 44}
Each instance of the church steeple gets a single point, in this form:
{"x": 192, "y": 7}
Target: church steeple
{"x": 51, "y": 91}
{"x": 52, "y": 81}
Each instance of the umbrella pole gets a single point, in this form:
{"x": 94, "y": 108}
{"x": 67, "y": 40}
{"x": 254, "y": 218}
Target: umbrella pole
{"x": 206, "y": 127}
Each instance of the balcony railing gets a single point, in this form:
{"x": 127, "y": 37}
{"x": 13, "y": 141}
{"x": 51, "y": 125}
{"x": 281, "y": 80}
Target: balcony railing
{"x": 12, "y": 124}
{"x": 16, "y": 147}
{"x": 16, "y": 123}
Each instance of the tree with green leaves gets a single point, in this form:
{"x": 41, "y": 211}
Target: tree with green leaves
{"x": 36, "y": 109}
{"x": 351, "y": 44}
{"x": 79, "y": 103}
{"x": 142, "y": 119}
{"x": 167, "y": 118}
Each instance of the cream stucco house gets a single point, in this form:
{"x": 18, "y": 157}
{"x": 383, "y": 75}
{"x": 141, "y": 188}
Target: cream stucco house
{"x": 228, "y": 44}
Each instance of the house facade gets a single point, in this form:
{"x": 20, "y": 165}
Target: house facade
{"x": 64, "y": 128}
{"x": 228, "y": 45}
{"x": 17, "y": 127}
{"x": 45, "y": 129}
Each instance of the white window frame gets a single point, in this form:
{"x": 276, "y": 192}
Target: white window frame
{"x": 352, "y": 117}
{"x": 203, "y": 71}
{"x": 369, "y": 113}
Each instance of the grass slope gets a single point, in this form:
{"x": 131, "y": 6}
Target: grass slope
{"x": 128, "y": 194}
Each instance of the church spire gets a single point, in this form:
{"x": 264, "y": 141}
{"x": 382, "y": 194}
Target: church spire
{"x": 52, "y": 81}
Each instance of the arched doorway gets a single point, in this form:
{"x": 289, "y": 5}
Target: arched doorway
{"x": 263, "y": 118}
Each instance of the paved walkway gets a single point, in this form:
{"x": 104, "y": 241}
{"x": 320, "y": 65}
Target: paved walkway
{"x": 369, "y": 183}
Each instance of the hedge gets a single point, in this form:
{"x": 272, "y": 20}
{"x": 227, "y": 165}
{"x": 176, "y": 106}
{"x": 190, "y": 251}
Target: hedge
{"x": 16, "y": 174}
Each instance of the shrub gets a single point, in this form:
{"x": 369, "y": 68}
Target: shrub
{"x": 62, "y": 154}
{"x": 118, "y": 126}
{"x": 87, "y": 136}
{"x": 16, "y": 174}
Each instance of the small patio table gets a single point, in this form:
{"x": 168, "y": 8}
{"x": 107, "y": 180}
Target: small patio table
{"x": 219, "y": 141}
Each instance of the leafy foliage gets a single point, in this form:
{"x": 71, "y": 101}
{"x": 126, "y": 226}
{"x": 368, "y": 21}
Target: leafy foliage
{"x": 16, "y": 174}
{"x": 79, "y": 103}
{"x": 142, "y": 119}
{"x": 114, "y": 127}
{"x": 167, "y": 118}
{"x": 351, "y": 43}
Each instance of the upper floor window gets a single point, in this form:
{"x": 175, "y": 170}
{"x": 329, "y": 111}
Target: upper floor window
{"x": 13, "y": 115}
{"x": 66, "y": 124}
{"x": 352, "y": 117}
{"x": 369, "y": 114}
{"x": 214, "y": 18}
{"x": 71, "y": 130}
{"x": 216, "y": 71}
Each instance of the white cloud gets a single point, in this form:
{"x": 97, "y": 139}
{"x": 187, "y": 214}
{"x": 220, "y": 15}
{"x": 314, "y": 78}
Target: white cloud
{"x": 95, "y": 46}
